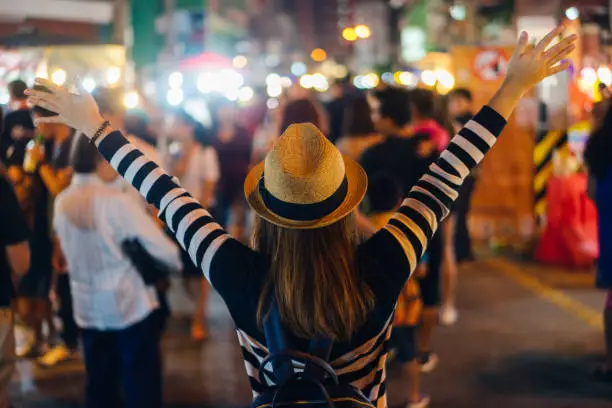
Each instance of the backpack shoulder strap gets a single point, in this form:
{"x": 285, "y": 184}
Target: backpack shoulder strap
{"x": 320, "y": 347}
{"x": 276, "y": 340}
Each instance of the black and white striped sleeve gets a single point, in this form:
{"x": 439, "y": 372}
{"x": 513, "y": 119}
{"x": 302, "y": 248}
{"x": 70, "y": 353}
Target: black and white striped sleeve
{"x": 431, "y": 199}
{"x": 193, "y": 226}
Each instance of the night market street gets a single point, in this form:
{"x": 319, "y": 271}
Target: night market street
{"x": 527, "y": 337}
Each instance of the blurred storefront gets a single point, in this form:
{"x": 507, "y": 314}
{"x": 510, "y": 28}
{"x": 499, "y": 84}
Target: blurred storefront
{"x": 95, "y": 65}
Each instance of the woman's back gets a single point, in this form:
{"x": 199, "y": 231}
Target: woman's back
{"x": 382, "y": 263}
{"x": 361, "y": 360}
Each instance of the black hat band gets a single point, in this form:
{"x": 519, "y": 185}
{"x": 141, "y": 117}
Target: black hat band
{"x": 303, "y": 212}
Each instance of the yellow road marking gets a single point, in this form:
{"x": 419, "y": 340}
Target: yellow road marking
{"x": 590, "y": 316}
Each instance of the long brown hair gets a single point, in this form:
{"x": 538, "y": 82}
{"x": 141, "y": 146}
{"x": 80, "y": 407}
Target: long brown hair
{"x": 315, "y": 278}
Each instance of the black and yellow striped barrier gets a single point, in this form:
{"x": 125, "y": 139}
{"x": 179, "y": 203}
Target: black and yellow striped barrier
{"x": 545, "y": 147}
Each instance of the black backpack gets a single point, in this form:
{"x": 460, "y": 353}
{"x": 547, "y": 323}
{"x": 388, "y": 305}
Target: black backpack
{"x": 315, "y": 386}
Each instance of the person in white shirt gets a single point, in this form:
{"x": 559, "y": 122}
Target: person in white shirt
{"x": 198, "y": 171}
{"x": 113, "y": 305}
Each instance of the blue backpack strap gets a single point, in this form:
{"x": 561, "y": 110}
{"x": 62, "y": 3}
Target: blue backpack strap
{"x": 319, "y": 347}
{"x": 276, "y": 340}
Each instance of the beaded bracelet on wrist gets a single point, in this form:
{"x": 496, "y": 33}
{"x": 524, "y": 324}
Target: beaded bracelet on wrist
{"x": 100, "y": 131}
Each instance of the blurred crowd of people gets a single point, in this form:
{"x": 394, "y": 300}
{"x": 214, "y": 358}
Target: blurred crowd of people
{"x": 82, "y": 245}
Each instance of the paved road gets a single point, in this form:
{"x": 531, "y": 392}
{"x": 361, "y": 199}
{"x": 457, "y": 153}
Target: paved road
{"x": 527, "y": 337}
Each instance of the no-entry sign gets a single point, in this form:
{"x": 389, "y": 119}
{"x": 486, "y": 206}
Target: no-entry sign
{"x": 490, "y": 64}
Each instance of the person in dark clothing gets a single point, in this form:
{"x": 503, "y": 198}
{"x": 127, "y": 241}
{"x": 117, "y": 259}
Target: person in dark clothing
{"x": 233, "y": 145}
{"x": 14, "y": 262}
{"x": 18, "y": 127}
{"x": 599, "y": 162}
{"x": 406, "y": 156}
{"x": 359, "y": 132}
{"x": 336, "y": 108}
{"x": 51, "y": 175}
{"x": 460, "y": 105}
{"x": 397, "y": 154}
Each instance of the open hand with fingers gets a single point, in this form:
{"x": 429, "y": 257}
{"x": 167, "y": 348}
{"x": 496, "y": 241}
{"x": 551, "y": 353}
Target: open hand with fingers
{"x": 78, "y": 111}
{"x": 532, "y": 63}
{"x": 529, "y": 65}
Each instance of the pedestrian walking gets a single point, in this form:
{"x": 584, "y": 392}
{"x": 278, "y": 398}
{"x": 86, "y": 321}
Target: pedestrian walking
{"x": 114, "y": 306}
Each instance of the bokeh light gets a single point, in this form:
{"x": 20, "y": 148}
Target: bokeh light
{"x": 605, "y": 75}
{"x": 272, "y": 103}
{"x": 240, "y": 61}
{"x": 445, "y": 78}
{"x": 572, "y": 13}
{"x": 298, "y": 68}
{"x": 428, "y": 77}
{"x": 363, "y": 31}
{"x": 273, "y": 79}
{"x": 349, "y": 34}
{"x": 175, "y": 80}
{"x": 175, "y": 97}
{"x": 457, "y": 12}
{"x": 274, "y": 90}
{"x": 131, "y": 99}
{"x": 408, "y": 79}
{"x": 319, "y": 82}
{"x": 588, "y": 75}
{"x": 306, "y": 81}
{"x": 205, "y": 82}
{"x": 245, "y": 94}
{"x": 89, "y": 84}
{"x": 59, "y": 76}
{"x": 286, "y": 82}
{"x": 318, "y": 55}
{"x": 113, "y": 75}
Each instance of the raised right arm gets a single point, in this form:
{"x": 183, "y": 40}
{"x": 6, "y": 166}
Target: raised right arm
{"x": 431, "y": 199}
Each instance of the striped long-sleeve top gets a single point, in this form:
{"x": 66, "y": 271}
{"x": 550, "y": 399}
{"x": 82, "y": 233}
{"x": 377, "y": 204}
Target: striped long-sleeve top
{"x": 385, "y": 260}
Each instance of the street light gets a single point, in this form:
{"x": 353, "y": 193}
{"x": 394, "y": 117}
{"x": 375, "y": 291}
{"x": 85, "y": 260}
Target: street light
{"x": 318, "y": 54}
{"x": 363, "y": 31}
{"x": 349, "y": 34}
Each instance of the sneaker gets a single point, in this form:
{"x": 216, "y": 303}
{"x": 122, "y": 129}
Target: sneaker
{"x": 56, "y": 355}
{"x": 448, "y": 315}
{"x": 423, "y": 402}
{"x": 428, "y": 361}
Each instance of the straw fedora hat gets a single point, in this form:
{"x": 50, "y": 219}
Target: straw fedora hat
{"x": 304, "y": 181}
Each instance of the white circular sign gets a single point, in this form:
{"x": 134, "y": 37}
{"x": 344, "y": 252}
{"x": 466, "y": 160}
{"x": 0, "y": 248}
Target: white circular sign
{"x": 490, "y": 65}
